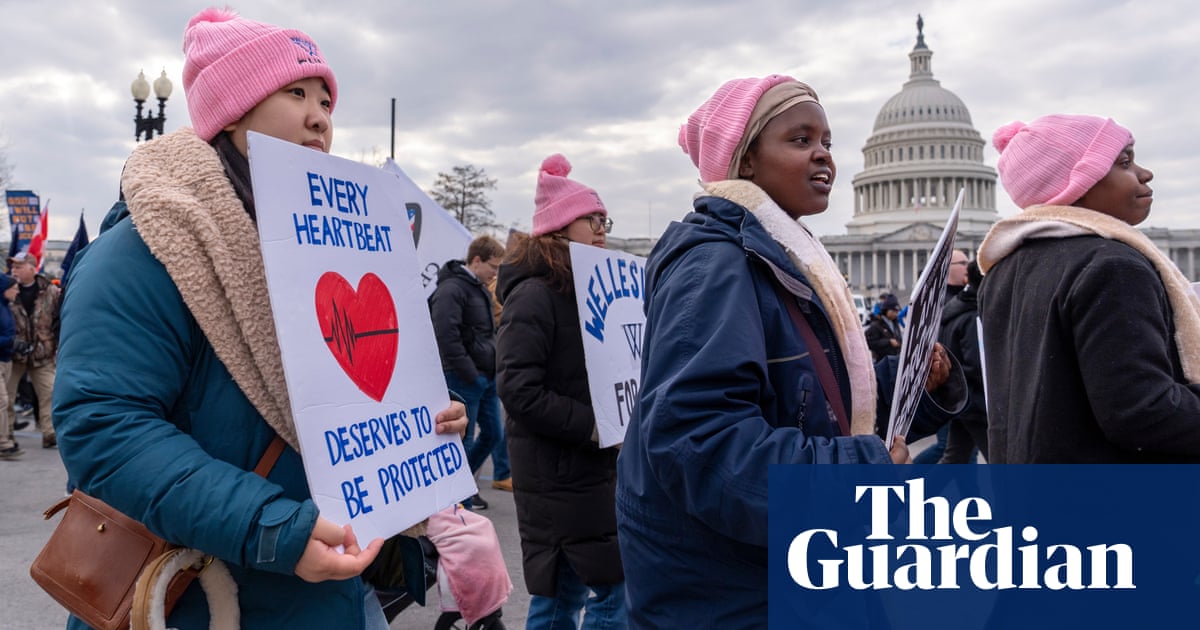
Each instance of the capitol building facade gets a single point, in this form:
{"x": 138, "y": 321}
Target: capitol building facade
{"x": 923, "y": 150}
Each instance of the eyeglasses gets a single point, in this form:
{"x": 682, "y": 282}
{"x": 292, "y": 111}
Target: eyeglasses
{"x": 959, "y": 262}
{"x": 599, "y": 223}
{"x": 494, "y": 266}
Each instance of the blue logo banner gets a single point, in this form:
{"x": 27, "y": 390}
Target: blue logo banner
{"x": 984, "y": 547}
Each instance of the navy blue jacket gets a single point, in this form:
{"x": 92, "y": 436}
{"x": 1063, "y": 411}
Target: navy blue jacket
{"x": 8, "y": 333}
{"x": 727, "y": 388}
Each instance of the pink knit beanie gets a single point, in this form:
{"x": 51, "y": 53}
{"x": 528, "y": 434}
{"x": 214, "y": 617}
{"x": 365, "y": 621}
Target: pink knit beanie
{"x": 233, "y": 64}
{"x": 713, "y": 132}
{"x": 559, "y": 200}
{"x": 1055, "y": 159}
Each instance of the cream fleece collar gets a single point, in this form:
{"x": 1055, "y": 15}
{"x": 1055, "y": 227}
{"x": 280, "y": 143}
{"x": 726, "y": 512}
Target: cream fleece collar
{"x": 1041, "y": 222}
{"x": 810, "y": 257}
{"x": 188, "y": 214}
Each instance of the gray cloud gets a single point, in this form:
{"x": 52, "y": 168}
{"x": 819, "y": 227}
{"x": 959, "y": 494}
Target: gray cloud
{"x": 504, "y": 84}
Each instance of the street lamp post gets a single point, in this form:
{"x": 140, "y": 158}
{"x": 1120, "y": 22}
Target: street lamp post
{"x": 140, "y": 88}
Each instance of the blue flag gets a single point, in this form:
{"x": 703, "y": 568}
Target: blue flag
{"x": 79, "y": 242}
{"x": 15, "y": 242}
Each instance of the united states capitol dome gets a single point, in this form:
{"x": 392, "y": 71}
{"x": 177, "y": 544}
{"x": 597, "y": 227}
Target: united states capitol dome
{"x": 922, "y": 151}
{"x": 923, "y": 101}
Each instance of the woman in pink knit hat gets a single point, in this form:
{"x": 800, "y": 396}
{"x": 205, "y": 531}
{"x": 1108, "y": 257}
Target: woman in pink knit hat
{"x": 563, "y": 482}
{"x": 1091, "y": 333}
{"x": 753, "y": 355}
{"x": 170, "y": 384}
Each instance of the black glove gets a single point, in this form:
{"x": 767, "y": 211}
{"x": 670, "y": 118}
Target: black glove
{"x": 22, "y": 349}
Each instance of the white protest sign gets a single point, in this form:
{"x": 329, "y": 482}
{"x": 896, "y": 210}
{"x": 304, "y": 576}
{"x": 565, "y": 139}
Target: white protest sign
{"x": 439, "y": 237}
{"x": 925, "y": 311}
{"x": 359, "y": 355}
{"x": 610, "y": 293}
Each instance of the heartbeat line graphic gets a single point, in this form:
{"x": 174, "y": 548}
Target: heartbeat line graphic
{"x": 343, "y": 335}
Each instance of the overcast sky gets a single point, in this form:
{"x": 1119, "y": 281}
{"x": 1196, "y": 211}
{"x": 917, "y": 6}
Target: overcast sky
{"x": 501, "y": 85}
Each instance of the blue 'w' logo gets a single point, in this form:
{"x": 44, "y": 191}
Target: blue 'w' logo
{"x": 633, "y": 335}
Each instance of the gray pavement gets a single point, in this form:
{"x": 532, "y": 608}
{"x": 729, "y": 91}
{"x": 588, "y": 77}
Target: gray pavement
{"x": 30, "y": 485}
{"x": 36, "y": 480}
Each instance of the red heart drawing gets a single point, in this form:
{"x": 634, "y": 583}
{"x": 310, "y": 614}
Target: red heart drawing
{"x": 360, "y": 329}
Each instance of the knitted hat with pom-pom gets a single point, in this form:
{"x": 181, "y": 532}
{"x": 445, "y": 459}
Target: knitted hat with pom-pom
{"x": 233, "y": 64}
{"x": 559, "y": 200}
{"x": 1055, "y": 159}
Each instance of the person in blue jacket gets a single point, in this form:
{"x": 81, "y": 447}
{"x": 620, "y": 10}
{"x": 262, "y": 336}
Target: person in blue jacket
{"x": 729, "y": 384}
{"x": 9, "y": 449}
{"x": 170, "y": 382}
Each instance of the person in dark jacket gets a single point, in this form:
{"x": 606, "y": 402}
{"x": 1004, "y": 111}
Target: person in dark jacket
{"x": 956, "y": 280}
{"x": 883, "y": 331}
{"x": 1091, "y": 333}
{"x": 563, "y": 482}
{"x": 9, "y": 449}
{"x": 967, "y": 432}
{"x": 461, "y": 309}
{"x": 729, "y": 384}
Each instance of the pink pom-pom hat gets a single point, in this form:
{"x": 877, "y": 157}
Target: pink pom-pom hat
{"x": 1055, "y": 159}
{"x": 560, "y": 200}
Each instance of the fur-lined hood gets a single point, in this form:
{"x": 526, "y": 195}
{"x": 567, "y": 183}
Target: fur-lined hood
{"x": 185, "y": 209}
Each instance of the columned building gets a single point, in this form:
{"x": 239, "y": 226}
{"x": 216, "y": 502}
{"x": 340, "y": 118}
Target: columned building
{"x": 922, "y": 152}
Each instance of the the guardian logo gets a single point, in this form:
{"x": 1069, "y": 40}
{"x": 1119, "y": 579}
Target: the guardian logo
{"x": 955, "y": 548}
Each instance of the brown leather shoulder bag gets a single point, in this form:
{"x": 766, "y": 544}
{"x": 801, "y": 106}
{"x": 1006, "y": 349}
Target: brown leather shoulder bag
{"x": 92, "y": 561}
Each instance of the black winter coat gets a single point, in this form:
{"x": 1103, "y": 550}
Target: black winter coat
{"x": 1082, "y": 365}
{"x": 461, "y": 309}
{"x": 879, "y": 337}
{"x": 960, "y": 336}
{"x": 564, "y": 484}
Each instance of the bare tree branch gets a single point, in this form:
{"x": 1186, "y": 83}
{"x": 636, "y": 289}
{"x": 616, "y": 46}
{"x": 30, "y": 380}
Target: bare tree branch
{"x": 463, "y": 193}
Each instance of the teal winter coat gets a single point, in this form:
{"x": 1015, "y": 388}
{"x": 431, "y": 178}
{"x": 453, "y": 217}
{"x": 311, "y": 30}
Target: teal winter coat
{"x": 150, "y": 421}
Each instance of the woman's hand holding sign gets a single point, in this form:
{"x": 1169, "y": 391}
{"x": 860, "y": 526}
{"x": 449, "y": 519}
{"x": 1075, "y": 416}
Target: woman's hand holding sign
{"x": 939, "y": 368}
{"x": 452, "y": 419}
{"x": 322, "y": 561}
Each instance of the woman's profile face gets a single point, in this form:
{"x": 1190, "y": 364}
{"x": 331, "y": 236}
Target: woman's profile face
{"x": 1122, "y": 192}
{"x": 790, "y": 160}
{"x": 297, "y": 112}
{"x": 588, "y": 229}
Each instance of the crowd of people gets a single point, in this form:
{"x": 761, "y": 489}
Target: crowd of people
{"x": 28, "y": 346}
{"x": 169, "y": 383}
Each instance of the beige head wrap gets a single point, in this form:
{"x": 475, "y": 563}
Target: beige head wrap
{"x": 774, "y": 102}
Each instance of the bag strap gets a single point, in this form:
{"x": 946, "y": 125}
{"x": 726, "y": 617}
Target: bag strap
{"x": 267, "y": 462}
{"x": 829, "y": 384}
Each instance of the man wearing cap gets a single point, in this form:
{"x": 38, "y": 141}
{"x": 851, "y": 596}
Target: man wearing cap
{"x": 465, "y": 328}
{"x": 34, "y": 315}
{"x": 883, "y": 333}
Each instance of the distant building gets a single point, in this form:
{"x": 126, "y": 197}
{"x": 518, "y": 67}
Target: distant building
{"x": 638, "y": 246}
{"x": 922, "y": 151}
